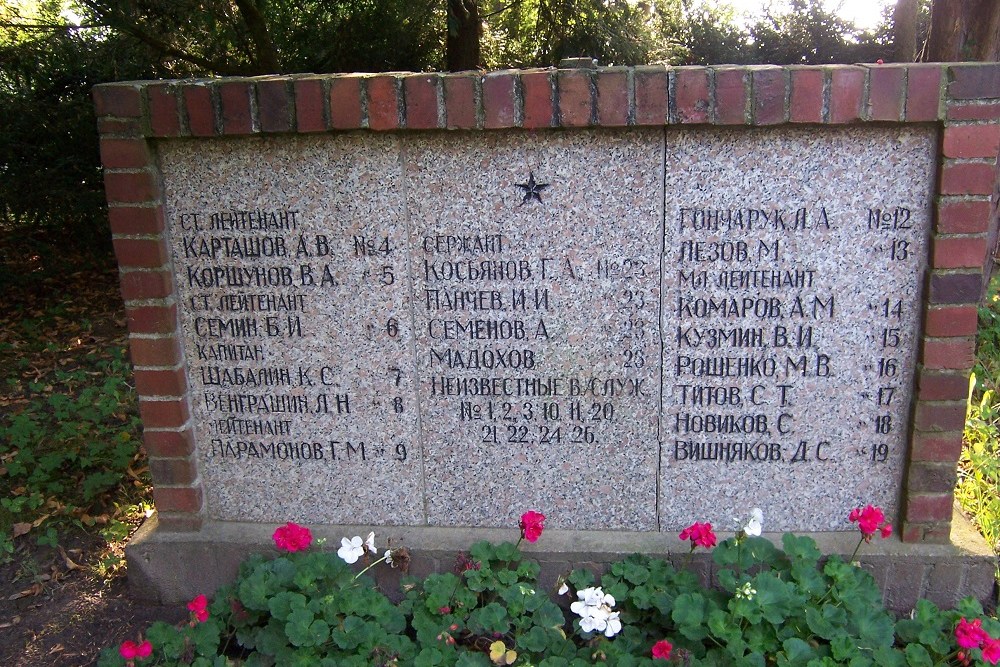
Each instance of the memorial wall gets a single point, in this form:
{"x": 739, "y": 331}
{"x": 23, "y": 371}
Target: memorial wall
{"x": 629, "y": 298}
{"x": 629, "y": 330}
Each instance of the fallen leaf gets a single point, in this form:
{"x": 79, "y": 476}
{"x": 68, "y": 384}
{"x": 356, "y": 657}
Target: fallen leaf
{"x": 70, "y": 565}
{"x": 11, "y": 623}
{"x": 28, "y": 592}
{"x": 20, "y": 529}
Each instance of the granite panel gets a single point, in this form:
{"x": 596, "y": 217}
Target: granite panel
{"x": 290, "y": 260}
{"x": 536, "y": 289}
{"x": 792, "y": 269}
{"x": 624, "y": 329}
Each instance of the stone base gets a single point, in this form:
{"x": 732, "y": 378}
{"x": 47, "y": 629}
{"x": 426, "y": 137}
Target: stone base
{"x": 173, "y": 567}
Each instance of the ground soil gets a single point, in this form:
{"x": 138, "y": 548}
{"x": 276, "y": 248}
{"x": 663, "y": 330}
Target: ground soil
{"x": 60, "y": 606}
{"x": 61, "y": 616}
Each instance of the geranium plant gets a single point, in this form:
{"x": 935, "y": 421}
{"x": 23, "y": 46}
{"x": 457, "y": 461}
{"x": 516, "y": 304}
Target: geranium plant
{"x": 771, "y": 606}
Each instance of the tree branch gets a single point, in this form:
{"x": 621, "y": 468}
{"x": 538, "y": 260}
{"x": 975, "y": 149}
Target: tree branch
{"x": 502, "y": 9}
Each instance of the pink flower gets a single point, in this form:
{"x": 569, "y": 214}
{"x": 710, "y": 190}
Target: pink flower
{"x": 970, "y": 635}
{"x": 700, "y": 534}
{"x": 662, "y": 649}
{"x": 991, "y": 650}
{"x": 130, "y": 650}
{"x": 199, "y": 607}
{"x": 532, "y": 524}
{"x": 292, "y": 537}
{"x": 870, "y": 520}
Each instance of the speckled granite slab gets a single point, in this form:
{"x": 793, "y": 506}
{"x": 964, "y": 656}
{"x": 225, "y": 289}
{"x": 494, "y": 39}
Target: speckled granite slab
{"x": 536, "y": 288}
{"x": 291, "y": 263}
{"x": 449, "y": 329}
{"x": 792, "y": 268}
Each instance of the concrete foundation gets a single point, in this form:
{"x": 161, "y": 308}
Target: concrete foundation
{"x": 172, "y": 567}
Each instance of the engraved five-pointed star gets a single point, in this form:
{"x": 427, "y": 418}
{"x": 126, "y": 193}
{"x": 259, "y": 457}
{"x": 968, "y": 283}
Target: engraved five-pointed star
{"x": 532, "y": 190}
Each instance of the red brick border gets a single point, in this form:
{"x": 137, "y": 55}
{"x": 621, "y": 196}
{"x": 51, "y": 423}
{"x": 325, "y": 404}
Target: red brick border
{"x": 961, "y": 100}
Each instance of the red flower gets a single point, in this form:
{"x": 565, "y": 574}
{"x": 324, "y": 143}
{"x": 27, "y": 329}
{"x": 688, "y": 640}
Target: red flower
{"x": 991, "y": 650}
{"x": 199, "y": 607}
{"x": 130, "y": 650}
{"x": 870, "y": 520}
{"x": 700, "y": 534}
{"x": 532, "y": 524}
{"x": 662, "y": 649}
{"x": 970, "y": 635}
{"x": 292, "y": 537}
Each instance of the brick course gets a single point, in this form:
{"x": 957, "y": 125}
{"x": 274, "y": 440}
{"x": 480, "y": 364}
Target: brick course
{"x": 612, "y": 98}
{"x": 806, "y": 104}
{"x": 309, "y": 106}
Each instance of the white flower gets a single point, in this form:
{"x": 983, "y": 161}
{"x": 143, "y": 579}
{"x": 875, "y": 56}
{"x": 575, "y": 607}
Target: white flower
{"x": 591, "y": 623}
{"x": 388, "y": 558}
{"x": 601, "y": 613}
{"x": 754, "y": 525}
{"x": 564, "y": 589}
{"x": 745, "y": 592}
{"x": 614, "y": 625}
{"x": 592, "y": 597}
{"x": 351, "y": 549}
{"x": 370, "y": 543}
{"x": 594, "y": 610}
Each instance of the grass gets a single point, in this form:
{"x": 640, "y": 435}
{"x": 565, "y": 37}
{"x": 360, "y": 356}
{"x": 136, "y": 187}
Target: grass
{"x": 978, "y": 489}
{"x": 70, "y": 452}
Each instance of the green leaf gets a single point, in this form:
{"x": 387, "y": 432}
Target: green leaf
{"x": 874, "y": 628}
{"x": 689, "y": 615}
{"x": 820, "y": 625}
{"x": 580, "y": 579}
{"x": 917, "y": 656}
{"x": 491, "y": 618}
{"x": 548, "y": 615}
{"x": 843, "y": 648}
{"x": 797, "y": 653}
{"x": 206, "y": 637}
{"x": 282, "y": 604}
{"x": 304, "y": 629}
{"x": 776, "y": 598}
{"x": 472, "y": 660}
{"x": 635, "y": 572}
{"x": 801, "y": 548}
{"x": 429, "y": 657}
{"x": 535, "y": 640}
{"x": 886, "y": 656}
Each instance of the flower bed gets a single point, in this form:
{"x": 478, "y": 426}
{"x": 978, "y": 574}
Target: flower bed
{"x": 773, "y": 607}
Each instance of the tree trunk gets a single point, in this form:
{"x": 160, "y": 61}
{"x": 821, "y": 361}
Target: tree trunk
{"x": 904, "y": 26}
{"x": 462, "y": 50}
{"x": 964, "y": 30}
{"x": 265, "y": 55}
